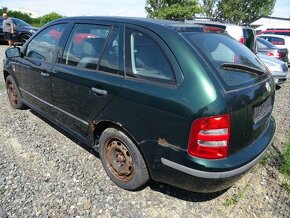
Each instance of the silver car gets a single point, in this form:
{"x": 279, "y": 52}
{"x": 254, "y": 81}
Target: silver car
{"x": 279, "y": 69}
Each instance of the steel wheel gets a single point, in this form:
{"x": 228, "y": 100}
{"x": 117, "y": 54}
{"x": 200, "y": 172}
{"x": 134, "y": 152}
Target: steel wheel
{"x": 12, "y": 94}
{"x": 119, "y": 159}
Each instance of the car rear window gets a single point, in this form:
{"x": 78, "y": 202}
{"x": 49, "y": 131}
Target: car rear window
{"x": 274, "y": 40}
{"x": 262, "y": 43}
{"x": 221, "y": 51}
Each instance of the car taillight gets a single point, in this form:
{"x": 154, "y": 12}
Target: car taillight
{"x": 209, "y": 137}
{"x": 242, "y": 40}
{"x": 275, "y": 54}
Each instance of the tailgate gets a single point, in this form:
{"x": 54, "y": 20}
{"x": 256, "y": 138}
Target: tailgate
{"x": 251, "y": 109}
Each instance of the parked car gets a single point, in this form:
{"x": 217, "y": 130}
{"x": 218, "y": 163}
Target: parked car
{"x": 279, "y": 41}
{"x": 278, "y": 68}
{"x": 267, "y": 48}
{"x": 243, "y": 34}
{"x": 285, "y": 32}
{"x": 22, "y": 30}
{"x": 180, "y": 103}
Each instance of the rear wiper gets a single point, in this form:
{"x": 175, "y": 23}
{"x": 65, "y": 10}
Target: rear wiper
{"x": 233, "y": 66}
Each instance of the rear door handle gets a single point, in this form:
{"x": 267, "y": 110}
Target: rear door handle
{"x": 99, "y": 91}
{"x": 45, "y": 75}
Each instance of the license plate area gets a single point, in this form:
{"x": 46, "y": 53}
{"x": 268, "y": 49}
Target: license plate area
{"x": 262, "y": 109}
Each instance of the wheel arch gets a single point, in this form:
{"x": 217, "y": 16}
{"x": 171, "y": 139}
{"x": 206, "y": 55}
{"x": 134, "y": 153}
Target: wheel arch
{"x": 100, "y": 126}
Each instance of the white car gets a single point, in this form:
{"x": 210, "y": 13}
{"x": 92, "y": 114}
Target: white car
{"x": 280, "y": 41}
{"x": 278, "y": 68}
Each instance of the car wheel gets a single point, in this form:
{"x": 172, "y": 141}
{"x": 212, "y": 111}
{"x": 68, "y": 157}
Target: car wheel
{"x": 13, "y": 93}
{"x": 24, "y": 38}
{"x": 122, "y": 160}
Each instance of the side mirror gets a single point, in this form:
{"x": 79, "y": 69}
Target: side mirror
{"x": 13, "y": 52}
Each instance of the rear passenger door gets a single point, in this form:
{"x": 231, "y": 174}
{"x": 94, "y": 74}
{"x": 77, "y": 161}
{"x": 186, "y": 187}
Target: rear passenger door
{"x": 86, "y": 77}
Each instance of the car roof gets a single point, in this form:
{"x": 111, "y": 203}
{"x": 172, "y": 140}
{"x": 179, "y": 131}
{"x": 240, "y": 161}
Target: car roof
{"x": 145, "y": 22}
{"x": 215, "y": 23}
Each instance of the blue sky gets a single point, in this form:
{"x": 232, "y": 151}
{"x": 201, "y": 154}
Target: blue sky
{"x": 104, "y": 7}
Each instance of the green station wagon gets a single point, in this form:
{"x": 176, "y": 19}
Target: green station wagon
{"x": 183, "y": 104}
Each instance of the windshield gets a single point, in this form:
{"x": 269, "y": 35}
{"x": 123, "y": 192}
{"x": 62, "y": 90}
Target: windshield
{"x": 222, "y": 50}
{"x": 20, "y": 22}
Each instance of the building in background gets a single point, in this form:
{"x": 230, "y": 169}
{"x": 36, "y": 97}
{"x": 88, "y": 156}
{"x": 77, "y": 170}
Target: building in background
{"x": 267, "y": 22}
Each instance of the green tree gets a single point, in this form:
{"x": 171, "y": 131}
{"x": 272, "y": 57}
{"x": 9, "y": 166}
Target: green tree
{"x": 170, "y": 9}
{"x": 209, "y": 8}
{"x": 244, "y": 11}
{"x": 49, "y": 17}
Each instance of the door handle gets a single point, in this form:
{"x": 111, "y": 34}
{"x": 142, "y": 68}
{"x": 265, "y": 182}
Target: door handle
{"x": 99, "y": 91}
{"x": 45, "y": 75}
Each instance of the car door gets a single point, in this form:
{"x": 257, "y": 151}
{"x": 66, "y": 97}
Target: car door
{"x": 86, "y": 78}
{"x": 36, "y": 65}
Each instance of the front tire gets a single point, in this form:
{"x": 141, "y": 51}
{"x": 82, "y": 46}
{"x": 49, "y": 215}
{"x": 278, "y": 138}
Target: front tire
{"x": 13, "y": 93}
{"x": 122, "y": 160}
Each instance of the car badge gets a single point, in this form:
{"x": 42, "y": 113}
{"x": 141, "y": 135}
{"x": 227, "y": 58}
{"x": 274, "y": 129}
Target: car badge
{"x": 268, "y": 87}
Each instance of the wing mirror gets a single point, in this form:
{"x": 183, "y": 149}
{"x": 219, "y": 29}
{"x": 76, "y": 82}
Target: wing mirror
{"x": 13, "y": 52}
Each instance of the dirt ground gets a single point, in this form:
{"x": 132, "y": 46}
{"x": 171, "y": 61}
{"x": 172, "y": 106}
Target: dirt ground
{"x": 44, "y": 172}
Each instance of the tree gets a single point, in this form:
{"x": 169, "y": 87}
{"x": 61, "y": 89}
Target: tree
{"x": 170, "y": 9}
{"x": 209, "y": 8}
{"x": 244, "y": 11}
{"x": 49, "y": 17}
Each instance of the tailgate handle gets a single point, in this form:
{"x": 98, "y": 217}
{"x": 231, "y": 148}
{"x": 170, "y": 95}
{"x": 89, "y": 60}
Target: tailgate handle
{"x": 45, "y": 75}
{"x": 99, "y": 91}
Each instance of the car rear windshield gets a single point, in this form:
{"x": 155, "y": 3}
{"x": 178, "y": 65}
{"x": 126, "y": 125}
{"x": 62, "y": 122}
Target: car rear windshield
{"x": 236, "y": 64}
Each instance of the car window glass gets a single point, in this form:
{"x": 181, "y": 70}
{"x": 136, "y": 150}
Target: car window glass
{"x": 44, "y": 45}
{"x": 277, "y": 41}
{"x": 145, "y": 59}
{"x": 110, "y": 59}
{"x": 85, "y": 46}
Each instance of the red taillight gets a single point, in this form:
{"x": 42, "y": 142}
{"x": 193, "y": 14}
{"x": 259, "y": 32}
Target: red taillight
{"x": 209, "y": 137}
{"x": 242, "y": 40}
{"x": 275, "y": 54}
{"x": 212, "y": 29}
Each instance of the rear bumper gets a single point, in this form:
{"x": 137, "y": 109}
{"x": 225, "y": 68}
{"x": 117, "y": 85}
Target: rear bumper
{"x": 200, "y": 175}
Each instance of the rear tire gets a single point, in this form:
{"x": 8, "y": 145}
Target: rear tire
{"x": 122, "y": 160}
{"x": 13, "y": 93}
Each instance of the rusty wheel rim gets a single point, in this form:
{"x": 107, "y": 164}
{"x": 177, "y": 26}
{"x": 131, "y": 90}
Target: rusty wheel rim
{"x": 119, "y": 159}
{"x": 12, "y": 94}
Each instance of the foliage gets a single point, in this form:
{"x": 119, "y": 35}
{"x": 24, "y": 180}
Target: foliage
{"x": 238, "y": 11}
{"x": 49, "y": 17}
{"x": 172, "y": 9}
{"x": 38, "y": 22}
{"x": 209, "y": 8}
{"x": 286, "y": 161}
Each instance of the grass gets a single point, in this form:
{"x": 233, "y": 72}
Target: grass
{"x": 285, "y": 168}
{"x": 235, "y": 199}
{"x": 1, "y": 191}
{"x": 2, "y": 86}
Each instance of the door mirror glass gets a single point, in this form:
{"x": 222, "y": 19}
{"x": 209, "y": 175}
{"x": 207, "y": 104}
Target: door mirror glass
{"x": 13, "y": 52}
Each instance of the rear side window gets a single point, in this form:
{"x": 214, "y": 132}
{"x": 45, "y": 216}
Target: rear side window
{"x": 44, "y": 45}
{"x": 85, "y": 46}
{"x": 145, "y": 59}
{"x": 236, "y": 64}
{"x": 275, "y": 40}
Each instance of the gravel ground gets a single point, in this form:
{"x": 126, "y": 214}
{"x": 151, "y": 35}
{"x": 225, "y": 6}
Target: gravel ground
{"x": 46, "y": 173}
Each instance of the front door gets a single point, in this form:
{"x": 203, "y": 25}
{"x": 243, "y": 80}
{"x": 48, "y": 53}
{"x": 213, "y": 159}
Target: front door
{"x": 87, "y": 76}
{"x": 36, "y": 65}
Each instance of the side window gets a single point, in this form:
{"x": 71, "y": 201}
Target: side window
{"x": 110, "y": 59}
{"x": 85, "y": 46}
{"x": 44, "y": 45}
{"x": 145, "y": 59}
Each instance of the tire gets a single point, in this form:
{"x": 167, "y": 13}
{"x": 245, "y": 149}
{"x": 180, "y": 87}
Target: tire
{"x": 13, "y": 93}
{"x": 24, "y": 38}
{"x": 122, "y": 160}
